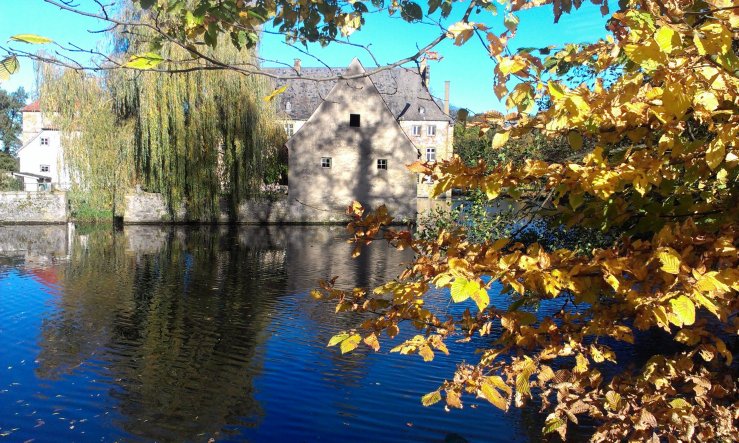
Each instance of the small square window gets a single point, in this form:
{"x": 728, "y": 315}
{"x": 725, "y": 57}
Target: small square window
{"x": 354, "y": 120}
{"x": 382, "y": 164}
{"x": 44, "y": 168}
{"x": 431, "y": 130}
{"x": 289, "y": 129}
{"x": 44, "y": 141}
{"x": 325, "y": 162}
{"x": 416, "y": 130}
{"x": 430, "y": 154}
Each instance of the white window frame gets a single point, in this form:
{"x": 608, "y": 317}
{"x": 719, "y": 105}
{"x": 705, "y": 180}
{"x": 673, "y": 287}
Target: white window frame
{"x": 44, "y": 141}
{"x": 289, "y": 129}
{"x": 48, "y": 168}
{"x": 431, "y": 130}
{"x": 416, "y": 130}
{"x": 326, "y": 162}
{"x": 382, "y": 164}
{"x": 431, "y": 154}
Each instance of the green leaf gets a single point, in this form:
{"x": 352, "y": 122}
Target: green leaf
{"x": 8, "y": 67}
{"x": 575, "y": 140}
{"x": 350, "y": 343}
{"x": 511, "y": 22}
{"x": 552, "y": 424}
{"x": 338, "y": 338}
{"x": 431, "y": 398}
{"x": 146, "y": 4}
{"x": 148, "y": 60}
{"x": 31, "y": 38}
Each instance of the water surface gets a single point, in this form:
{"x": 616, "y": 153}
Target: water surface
{"x": 193, "y": 333}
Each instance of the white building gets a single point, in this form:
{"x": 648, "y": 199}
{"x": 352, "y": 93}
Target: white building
{"x": 41, "y": 156}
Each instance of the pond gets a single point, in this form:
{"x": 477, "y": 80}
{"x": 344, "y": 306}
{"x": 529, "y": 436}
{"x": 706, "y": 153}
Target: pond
{"x": 197, "y": 333}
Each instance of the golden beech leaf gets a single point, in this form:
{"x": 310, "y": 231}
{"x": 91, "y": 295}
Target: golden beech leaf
{"x": 509, "y": 65}
{"x": 461, "y": 32}
{"x": 452, "y": 399}
{"x": 372, "y": 342}
{"x": 670, "y": 260}
{"x": 459, "y": 290}
{"x": 480, "y": 297}
{"x": 613, "y": 401}
{"x": 491, "y": 394}
{"x": 500, "y": 139}
{"x": 426, "y": 352}
{"x": 684, "y": 309}
{"x": 553, "y": 424}
{"x": 338, "y": 338}
{"x": 715, "y": 153}
{"x": 272, "y": 95}
{"x": 350, "y": 343}
{"x": 431, "y": 398}
{"x": 667, "y": 39}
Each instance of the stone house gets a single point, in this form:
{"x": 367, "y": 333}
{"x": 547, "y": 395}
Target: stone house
{"x": 41, "y": 155}
{"x": 352, "y": 139}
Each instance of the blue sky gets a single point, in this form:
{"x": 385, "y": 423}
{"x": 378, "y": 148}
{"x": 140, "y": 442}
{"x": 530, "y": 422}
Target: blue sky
{"x": 467, "y": 67}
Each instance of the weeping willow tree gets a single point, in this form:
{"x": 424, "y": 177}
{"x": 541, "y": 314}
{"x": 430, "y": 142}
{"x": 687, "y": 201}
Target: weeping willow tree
{"x": 203, "y": 139}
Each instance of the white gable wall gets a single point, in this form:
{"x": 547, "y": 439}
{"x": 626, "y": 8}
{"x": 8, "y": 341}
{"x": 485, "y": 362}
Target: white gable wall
{"x": 34, "y": 155}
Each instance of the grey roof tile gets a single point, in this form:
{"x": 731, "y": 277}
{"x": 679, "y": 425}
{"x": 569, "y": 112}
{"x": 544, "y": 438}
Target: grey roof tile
{"x": 401, "y": 88}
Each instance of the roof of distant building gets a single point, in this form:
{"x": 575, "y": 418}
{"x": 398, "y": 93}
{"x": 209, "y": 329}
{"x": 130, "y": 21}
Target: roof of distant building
{"x": 401, "y": 88}
{"x": 32, "y": 107}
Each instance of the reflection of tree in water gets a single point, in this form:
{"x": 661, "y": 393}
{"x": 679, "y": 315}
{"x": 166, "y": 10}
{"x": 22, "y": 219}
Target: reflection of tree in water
{"x": 178, "y": 328}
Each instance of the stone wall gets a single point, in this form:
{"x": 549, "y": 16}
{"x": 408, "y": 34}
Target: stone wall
{"x": 148, "y": 208}
{"x": 33, "y": 207}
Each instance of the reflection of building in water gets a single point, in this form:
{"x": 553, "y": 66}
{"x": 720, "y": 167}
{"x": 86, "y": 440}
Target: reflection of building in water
{"x": 322, "y": 252}
{"x": 173, "y": 321}
{"x": 177, "y": 324}
{"x": 36, "y": 245}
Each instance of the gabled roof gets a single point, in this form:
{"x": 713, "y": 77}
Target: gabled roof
{"x": 32, "y": 107}
{"x": 401, "y": 88}
{"x": 45, "y": 178}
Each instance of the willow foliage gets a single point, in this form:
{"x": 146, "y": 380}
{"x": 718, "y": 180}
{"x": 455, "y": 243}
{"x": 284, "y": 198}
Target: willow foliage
{"x": 202, "y": 139}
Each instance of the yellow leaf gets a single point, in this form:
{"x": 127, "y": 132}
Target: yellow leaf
{"x": 613, "y": 401}
{"x": 706, "y": 99}
{"x": 145, "y": 61}
{"x": 31, "y": 38}
{"x": 500, "y": 139}
{"x": 715, "y": 153}
{"x": 670, "y": 260}
{"x": 555, "y": 90}
{"x": 684, "y": 310}
{"x": 338, "y": 338}
{"x": 461, "y": 32}
{"x": 459, "y": 290}
{"x": 667, "y": 39}
{"x": 492, "y": 395}
{"x": 426, "y": 352}
{"x": 372, "y": 342}
{"x": 350, "y": 343}
{"x": 271, "y": 96}
{"x": 481, "y": 298}
{"x": 8, "y": 66}
{"x": 431, "y": 398}
{"x": 509, "y": 65}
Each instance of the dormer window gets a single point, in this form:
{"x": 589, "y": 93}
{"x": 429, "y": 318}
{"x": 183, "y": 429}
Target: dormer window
{"x": 44, "y": 141}
{"x": 354, "y": 120}
{"x": 421, "y": 110}
{"x": 288, "y": 107}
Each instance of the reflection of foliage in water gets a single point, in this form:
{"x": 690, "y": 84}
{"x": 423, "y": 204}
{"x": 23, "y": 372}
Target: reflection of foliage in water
{"x": 178, "y": 326}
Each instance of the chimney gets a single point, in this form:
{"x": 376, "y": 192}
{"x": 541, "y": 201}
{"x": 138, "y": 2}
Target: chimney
{"x": 446, "y": 97}
{"x": 296, "y": 65}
